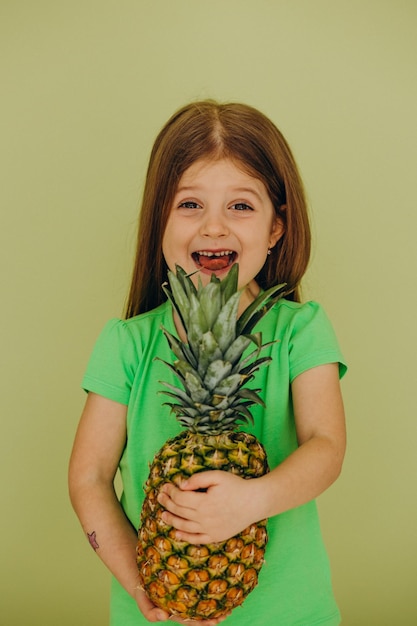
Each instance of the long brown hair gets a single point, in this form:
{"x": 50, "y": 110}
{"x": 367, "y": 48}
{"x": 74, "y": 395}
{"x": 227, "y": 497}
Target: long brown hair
{"x": 209, "y": 129}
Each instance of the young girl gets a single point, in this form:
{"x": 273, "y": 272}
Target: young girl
{"x": 222, "y": 188}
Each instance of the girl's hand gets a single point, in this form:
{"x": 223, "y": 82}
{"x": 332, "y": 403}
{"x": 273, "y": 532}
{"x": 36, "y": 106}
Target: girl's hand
{"x": 210, "y": 506}
{"x": 151, "y": 612}
{"x": 154, "y": 614}
{"x": 206, "y": 622}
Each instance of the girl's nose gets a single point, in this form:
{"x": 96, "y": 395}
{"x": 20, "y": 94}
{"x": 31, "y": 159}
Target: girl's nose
{"x": 214, "y": 225}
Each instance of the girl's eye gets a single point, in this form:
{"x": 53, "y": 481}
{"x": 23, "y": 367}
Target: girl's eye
{"x": 189, "y": 205}
{"x": 241, "y": 206}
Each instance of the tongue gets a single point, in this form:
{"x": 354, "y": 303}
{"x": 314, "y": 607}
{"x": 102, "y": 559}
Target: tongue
{"x": 214, "y": 263}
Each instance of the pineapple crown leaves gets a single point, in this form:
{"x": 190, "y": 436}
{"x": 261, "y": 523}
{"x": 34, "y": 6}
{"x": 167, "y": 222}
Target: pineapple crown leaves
{"x": 210, "y": 366}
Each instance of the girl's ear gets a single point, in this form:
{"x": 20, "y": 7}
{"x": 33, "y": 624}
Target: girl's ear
{"x": 277, "y": 230}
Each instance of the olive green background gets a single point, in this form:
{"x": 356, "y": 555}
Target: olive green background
{"x": 85, "y": 87}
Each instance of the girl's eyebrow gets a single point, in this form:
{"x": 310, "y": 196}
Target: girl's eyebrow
{"x": 184, "y": 188}
{"x": 248, "y": 190}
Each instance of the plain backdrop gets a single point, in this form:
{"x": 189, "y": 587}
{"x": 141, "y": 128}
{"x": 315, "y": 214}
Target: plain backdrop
{"x": 85, "y": 87}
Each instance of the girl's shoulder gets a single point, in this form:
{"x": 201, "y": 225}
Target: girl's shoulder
{"x": 139, "y": 326}
{"x": 288, "y": 312}
{"x": 118, "y": 350}
{"x": 308, "y": 334}
{"x": 160, "y": 315}
{"x": 129, "y": 337}
{"x": 291, "y": 322}
{"x": 290, "y": 305}
{"x": 295, "y": 318}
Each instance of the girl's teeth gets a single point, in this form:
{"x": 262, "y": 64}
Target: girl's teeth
{"x": 221, "y": 253}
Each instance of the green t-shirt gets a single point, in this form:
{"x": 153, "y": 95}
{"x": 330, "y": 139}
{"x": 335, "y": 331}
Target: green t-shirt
{"x": 294, "y": 586}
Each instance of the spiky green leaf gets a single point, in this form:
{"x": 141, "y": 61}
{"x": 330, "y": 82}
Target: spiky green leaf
{"x": 181, "y": 350}
{"x": 209, "y": 351}
{"x": 229, "y": 285}
{"x": 260, "y": 305}
{"x": 177, "y": 393}
{"x": 229, "y": 385}
{"x": 185, "y": 280}
{"x": 185, "y": 369}
{"x": 178, "y": 298}
{"x": 254, "y": 366}
{"x": 197, "y": 325}
{"x": 251, "y": 394}
{"x": 210, "y": 302}
{"x": 237, "y": 348}
{"x": 244, "y": 414}
{"x": 195, "y": 388}
{"x": 224, "y": 328}
{"x": 211, "y": 366}
{"x": 216, "y": 372}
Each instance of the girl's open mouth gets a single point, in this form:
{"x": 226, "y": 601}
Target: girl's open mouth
{"x": 214, "y": 261}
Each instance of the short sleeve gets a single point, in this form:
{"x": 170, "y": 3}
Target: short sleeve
{"x": 313, "y": 341}
{"x": 113, "y": 363}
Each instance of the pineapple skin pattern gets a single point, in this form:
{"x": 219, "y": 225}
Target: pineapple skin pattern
{"x": 206, "y": 581}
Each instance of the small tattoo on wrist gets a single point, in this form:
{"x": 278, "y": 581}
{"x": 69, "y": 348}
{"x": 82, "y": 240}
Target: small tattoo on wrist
{"x": 93, "y": 541}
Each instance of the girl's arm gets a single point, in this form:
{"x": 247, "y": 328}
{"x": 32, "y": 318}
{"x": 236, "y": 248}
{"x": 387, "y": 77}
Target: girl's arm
{"x": 321, "y": 432}
{"x": 98, "y": 446}
{"x": 230, "y": 503}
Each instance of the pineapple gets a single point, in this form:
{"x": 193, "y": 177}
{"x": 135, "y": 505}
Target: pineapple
{"x": 206, "y": 581}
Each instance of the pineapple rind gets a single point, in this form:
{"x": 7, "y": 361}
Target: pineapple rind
{"x": 199, "y": 582}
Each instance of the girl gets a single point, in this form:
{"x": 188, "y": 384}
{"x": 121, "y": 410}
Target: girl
{"x": 222, "y": 188}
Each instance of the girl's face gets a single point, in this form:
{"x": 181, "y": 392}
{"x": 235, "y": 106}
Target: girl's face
{"x": 220, "y": 216}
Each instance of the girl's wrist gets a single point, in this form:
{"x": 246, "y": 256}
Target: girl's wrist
{"x": 257, "y": 499}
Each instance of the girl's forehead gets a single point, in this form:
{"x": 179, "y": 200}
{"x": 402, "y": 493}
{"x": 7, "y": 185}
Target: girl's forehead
{"x": 226, "y": 169}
